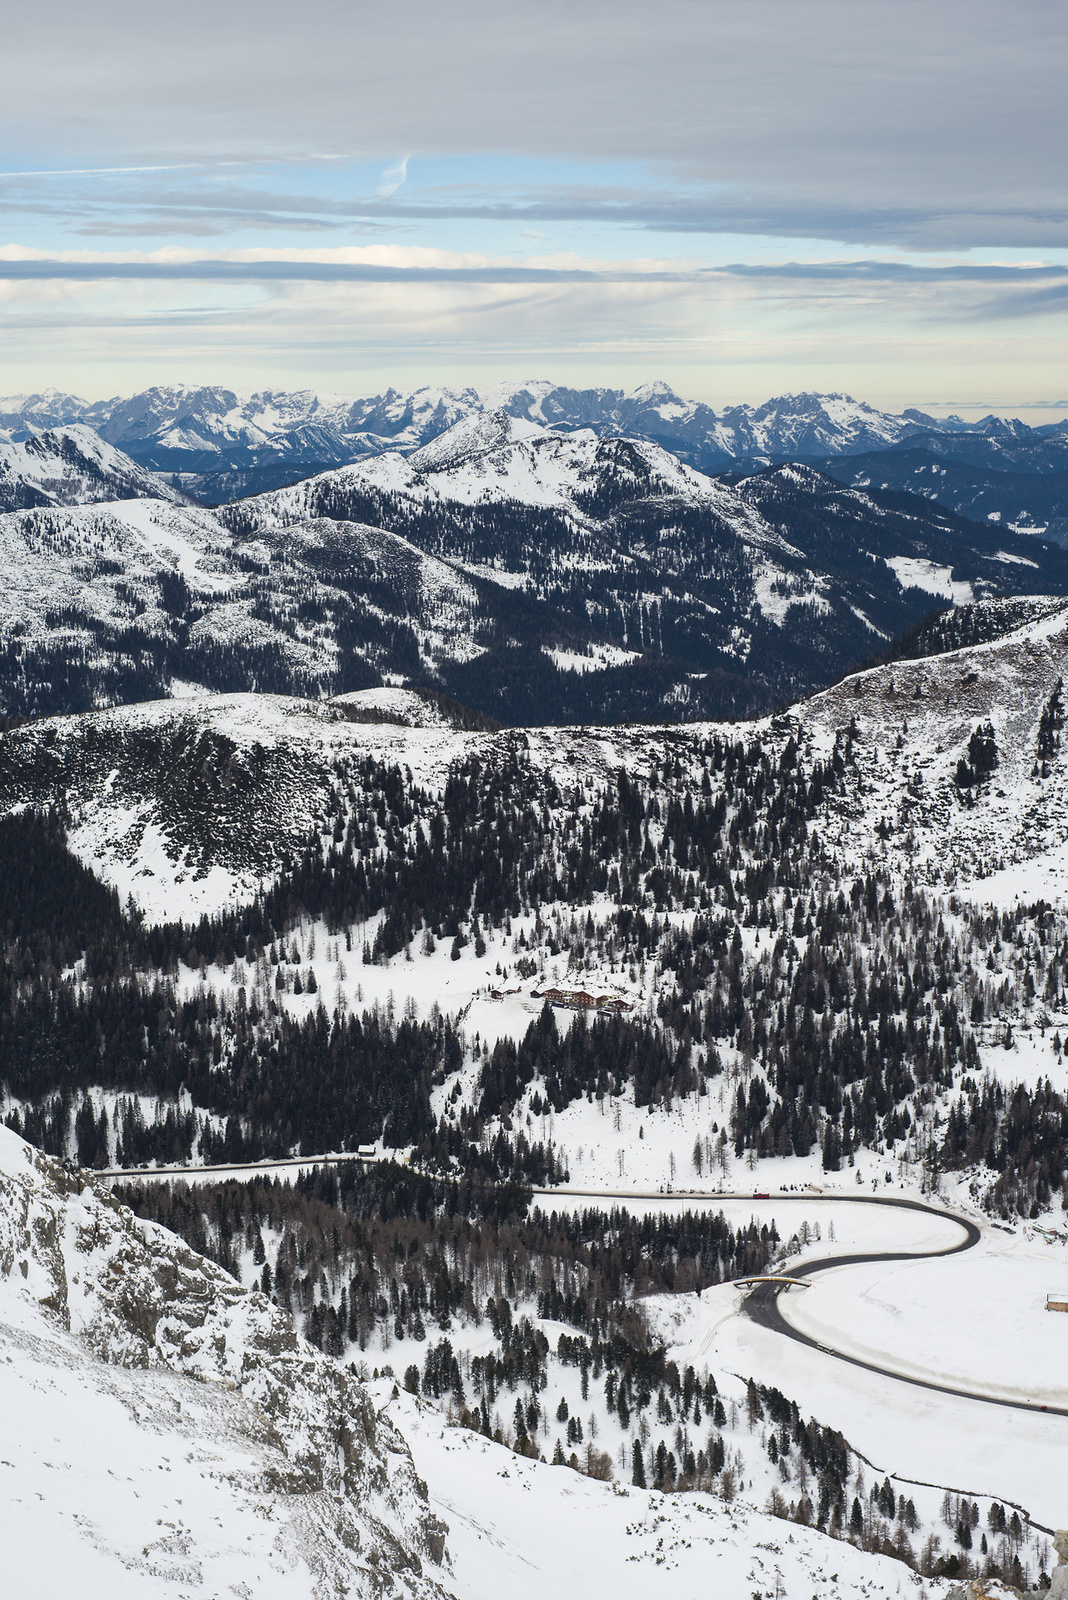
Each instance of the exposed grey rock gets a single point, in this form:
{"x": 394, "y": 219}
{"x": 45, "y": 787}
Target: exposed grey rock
{"x": 140, "y": 1299}
{"x": 1058, "y": 1588}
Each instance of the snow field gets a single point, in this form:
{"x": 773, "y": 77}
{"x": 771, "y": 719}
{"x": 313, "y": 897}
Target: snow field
{"x": 121, "y": 1485}
{"x": 908, "y": 1433}
{"x": 601, "y": 658}
{"x": 913, "y": 572}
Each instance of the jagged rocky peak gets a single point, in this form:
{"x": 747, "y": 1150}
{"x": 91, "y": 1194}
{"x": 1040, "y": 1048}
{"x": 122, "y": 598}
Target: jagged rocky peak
{"x": 84, "y": 1282}
{"x": 230, "y": 442}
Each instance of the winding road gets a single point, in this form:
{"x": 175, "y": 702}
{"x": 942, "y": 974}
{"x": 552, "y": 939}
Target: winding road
{"x": 761, "y": 1304}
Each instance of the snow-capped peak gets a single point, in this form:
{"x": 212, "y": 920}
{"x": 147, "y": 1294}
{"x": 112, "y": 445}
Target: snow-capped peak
{"x": 471, "y": 436}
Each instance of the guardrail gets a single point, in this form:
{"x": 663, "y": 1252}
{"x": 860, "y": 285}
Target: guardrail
{"x": 773, "y": 1277}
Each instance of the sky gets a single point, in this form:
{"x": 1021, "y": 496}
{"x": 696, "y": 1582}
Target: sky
{"x": 741, "y": 198}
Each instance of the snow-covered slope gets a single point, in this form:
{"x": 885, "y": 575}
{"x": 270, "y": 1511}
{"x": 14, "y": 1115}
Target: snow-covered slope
{"x": 521, "y": 1528}
{"x": 166, "y": 1431}
{"x": 136, "y": 808}
{"x": 84, "y": 556}
{"x": 141, "y": 596}
{"x": 913, "y": 722}
{"x": 491, "y": 456}
{"x": 72, "y": 466}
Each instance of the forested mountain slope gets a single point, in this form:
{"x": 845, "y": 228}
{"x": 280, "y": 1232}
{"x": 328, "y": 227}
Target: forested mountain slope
{"x": 72, "y": 466}
{"x": 798, "y": 901}
{"x": 693, "y": 596}
{"x": 829, "y": 946}
{"x": 535, "y": 575}
{"x": 1023, "y": 501}
{"x": 236, "y": 782}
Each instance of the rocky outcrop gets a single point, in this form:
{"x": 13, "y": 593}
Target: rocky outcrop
{"x": 994, "y": 1589}
{"x": 1058, "y": 1589}
{"x": 140, "y": 1299}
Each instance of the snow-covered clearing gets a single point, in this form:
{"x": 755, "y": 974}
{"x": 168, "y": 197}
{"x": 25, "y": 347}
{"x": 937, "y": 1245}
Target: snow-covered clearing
{"x": 911, "y": 1433}
{"x": 776, "y": 590}
{"x": 131, "y": 851}
{"x": 1043, "y": 877}
{"x": 600, "y": 658}
{"x": 913, "y": 572}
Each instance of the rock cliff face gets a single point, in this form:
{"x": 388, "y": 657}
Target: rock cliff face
{"x": 1059, "y": 1586}
{"x": 82, "y": 1280}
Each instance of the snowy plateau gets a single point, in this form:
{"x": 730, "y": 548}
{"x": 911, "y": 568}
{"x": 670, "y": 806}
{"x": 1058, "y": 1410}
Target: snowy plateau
{"x": 466, "y": 1128}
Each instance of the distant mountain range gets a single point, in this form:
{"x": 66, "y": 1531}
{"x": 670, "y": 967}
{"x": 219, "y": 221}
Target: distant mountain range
{"x": 534, "y": 575}
{"x": 224, "y": 442}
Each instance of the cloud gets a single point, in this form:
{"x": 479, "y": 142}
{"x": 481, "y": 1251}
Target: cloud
{"x": 247, "y": 197}
{"x": 979, "y": 289}
{"x": 836, "y": 118}
{"x": 726, "y": 142}
{"x": 393, "y": 178}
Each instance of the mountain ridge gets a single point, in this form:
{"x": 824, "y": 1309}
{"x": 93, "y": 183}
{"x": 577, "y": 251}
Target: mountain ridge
{"x": 73, "y": 465}
{"x": 534, "y": 575}
{"x": 203, "y": 800}
{"x": 226, "y": 441}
